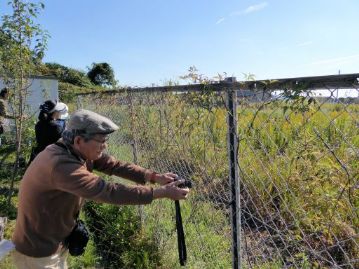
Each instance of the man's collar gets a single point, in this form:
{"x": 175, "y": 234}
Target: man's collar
{"x": 72, "y": 150}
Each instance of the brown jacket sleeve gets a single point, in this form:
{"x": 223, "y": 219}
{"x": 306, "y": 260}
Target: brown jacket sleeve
{"x": 72, "y": 176}
{"x": 111, "y": 166}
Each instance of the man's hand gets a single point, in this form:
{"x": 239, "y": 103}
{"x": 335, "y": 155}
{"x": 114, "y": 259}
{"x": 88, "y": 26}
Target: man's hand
{"x": 171, "y": 191}
{"x": 163, "y": 179}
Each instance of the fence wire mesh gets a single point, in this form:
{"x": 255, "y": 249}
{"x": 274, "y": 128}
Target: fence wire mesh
{"x": 298, "y": 167}
{"x": 167, "y": 132}
{"x": 299, "y": 177}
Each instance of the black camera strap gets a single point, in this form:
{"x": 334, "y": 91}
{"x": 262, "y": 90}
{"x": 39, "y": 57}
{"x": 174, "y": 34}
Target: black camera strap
{"x": 182, "y": 251}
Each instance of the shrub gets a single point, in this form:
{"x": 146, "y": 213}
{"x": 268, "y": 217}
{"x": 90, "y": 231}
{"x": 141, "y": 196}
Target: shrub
{"x": 118, "y": 237}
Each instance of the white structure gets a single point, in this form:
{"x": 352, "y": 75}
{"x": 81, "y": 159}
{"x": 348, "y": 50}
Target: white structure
{"x": 41, "y": 89}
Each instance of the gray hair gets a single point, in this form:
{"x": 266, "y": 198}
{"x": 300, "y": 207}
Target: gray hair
{"x": 68, "y": 136}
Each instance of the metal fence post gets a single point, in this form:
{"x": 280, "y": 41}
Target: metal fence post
{"x": 134, "y": 148}
{"x": 232, "y": 145}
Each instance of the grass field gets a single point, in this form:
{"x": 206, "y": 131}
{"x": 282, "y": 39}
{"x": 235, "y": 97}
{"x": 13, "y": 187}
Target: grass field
{"x": 299, "y": 170}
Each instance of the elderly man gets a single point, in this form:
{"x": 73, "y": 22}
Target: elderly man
{"x": 56, "y": 183}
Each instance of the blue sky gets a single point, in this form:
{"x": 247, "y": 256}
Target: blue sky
{"x": 153, "y": 41}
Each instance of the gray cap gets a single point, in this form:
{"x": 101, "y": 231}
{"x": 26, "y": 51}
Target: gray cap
{"x": 90, "y": 123}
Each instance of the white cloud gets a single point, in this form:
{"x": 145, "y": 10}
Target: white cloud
{"x": 220, "y": 20}
{"x": 250, "y": 9}
{"x": 306, "y": 43}
{"x": 255, "y": 8}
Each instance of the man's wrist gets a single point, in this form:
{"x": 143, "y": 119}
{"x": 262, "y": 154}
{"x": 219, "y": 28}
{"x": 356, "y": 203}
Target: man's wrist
{"x": 152, "y": 178}
{"x": 158, "y": 193}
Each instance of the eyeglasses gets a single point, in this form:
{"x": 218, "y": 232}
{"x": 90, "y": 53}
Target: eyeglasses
{"x": 103, "y": 141}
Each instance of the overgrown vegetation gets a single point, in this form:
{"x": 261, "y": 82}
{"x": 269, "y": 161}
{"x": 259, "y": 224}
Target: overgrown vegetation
{"x": 73, "y": 81}
{"x": 298, "y": 171}
{"x": 127, "y": 246}
{"x": 298, "y": 165}
{"x": 23, "y": 45}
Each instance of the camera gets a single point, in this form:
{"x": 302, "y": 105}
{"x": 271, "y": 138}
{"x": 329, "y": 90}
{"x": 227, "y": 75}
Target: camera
{"x": 76, "y": 242}
{"x": 186, "y": 184}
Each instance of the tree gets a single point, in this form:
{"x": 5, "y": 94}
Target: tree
{"x": 67, "y": 74}
{"x": 23, "y": 43}
{"x": 102, "y": 74}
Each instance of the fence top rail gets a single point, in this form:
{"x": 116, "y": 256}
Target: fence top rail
{"x": 344, "y": 81}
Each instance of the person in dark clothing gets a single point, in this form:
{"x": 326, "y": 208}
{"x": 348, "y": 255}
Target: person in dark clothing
{"x": 64, "y": 114}
{"x": 47, "y": 130}
{"x": 4, "y": 114}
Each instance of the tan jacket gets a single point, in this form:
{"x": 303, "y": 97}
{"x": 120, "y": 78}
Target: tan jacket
{"x": 52, "y": 191}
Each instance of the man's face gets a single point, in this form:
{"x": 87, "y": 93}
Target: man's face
{"x": 92, "y": 149}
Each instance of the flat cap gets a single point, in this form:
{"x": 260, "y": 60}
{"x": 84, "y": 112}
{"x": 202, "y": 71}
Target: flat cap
{"x": 90, "y": 122}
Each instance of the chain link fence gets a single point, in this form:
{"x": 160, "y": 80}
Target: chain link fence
{"x": 298, "y": 163}
{"x": 171, "y": 132}
{"x": 297, "y": 175}
{"x": 298, "y": 159}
